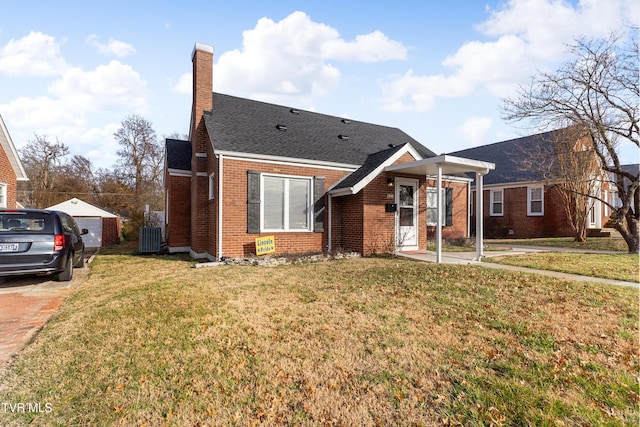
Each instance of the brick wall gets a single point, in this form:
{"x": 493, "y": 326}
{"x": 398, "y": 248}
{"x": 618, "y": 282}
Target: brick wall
{"x": 8, "y": 177}
{"x": 111, "y": 228}
{"x": 379, "y": 228}
{"x": 517, "y": 223}
{"x": 348, "y": 223}
{"x": 236, "y": 241}
{"x": 178, "y": 227}
{"x": 360, "y": 222}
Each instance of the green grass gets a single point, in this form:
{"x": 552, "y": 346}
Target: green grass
{"x": 624, "y": 267}
{"x": 592, "y": 243}
{"x": 152, "y": 341}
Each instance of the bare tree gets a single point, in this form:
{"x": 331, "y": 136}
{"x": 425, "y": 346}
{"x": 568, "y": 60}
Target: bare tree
{"x": 599, "y": 91}
{"x": 42, "y": 160}
{"x": 77, "y": 178}
{"x": 140, "y": 166}
{"x": 565, "y": 161}
{"x": 140, "y": 155}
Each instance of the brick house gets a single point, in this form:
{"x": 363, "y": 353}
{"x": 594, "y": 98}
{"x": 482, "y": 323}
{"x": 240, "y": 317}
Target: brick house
{"x": 11, "y": 169}
{"x": 518, "y": 201}
{"x": 311, "y": 181}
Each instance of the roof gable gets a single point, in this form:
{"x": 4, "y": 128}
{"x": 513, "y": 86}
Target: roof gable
{"x": 78, "y": 208}
{"x": 10, "y": 150}
{"x": 372, "y": 167}
{"x": 241, "y": 125}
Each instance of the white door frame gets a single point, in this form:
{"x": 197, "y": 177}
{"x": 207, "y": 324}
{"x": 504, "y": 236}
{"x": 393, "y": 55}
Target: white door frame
{"x": 407, "y": 237}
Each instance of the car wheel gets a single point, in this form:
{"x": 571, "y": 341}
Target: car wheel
{"x": 66, "y": 274}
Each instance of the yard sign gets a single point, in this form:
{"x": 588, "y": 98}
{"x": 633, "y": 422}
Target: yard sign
{"x": 265, "y": 245}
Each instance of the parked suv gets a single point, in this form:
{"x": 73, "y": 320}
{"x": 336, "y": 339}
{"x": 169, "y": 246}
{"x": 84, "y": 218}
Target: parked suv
{"x": 40, "y": 242}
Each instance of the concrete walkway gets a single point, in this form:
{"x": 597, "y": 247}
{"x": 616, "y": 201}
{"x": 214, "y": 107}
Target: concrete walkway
{"x": 469, "y": 258}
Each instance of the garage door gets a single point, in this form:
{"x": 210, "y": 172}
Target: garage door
{"x": 94, "y": 225}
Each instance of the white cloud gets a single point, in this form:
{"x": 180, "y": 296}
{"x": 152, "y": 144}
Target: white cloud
{"x": 528, "y": 35}
{"x": 547, "y": 25}
{"x": 475, "y": 129}
{"x": 291, "y": 58}
{"x": 108, "y": 87}
{"x": 114, "y": 47}
{"x": 35, "y": 54}
{"x": 184, "y": 86}
{"x": 497, "y": 65}
{"x": 419, "y": 93}
{"x": 81, "y": 105}
{"x": 40, "y": 113}
{"x": 373, "y": 47}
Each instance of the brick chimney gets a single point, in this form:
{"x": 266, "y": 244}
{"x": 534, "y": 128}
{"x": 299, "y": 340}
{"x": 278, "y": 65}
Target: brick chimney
{"x": 202, "y": 59}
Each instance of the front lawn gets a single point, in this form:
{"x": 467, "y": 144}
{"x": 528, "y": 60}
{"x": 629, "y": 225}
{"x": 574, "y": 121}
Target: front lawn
{"x": 592, "y": 243}
{"x": 624, "y": 267}
{"x": 152, "y": 341}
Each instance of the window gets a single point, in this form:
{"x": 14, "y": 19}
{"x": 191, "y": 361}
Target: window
{"x": 212, "y": 186}
{"x": 496, "y": 203}
{"x": 3, "y": 195}
{"x": 535, "y": 201}
{"x": 432, "y": 206}
{"x": 287, "y": 203}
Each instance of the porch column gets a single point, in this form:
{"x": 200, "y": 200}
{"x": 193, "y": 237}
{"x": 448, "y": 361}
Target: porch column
{"x": 439, "y": 213}
{"x": 479, "y": 217}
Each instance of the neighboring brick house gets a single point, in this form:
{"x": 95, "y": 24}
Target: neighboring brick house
{"x": 11, "y": 169}
{"x": 312, "y": 181}
{"x": 518, "y": 202}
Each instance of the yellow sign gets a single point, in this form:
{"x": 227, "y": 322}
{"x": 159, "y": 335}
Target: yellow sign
{"x": 265, "y": 245}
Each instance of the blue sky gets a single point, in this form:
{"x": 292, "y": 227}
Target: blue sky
{"x": 72, "y": 70}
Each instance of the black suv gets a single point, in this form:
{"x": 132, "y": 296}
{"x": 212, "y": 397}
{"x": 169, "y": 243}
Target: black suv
{"x": 36, "y": 241}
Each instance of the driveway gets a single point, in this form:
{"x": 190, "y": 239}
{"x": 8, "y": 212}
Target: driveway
{"x": 26, "y": 304}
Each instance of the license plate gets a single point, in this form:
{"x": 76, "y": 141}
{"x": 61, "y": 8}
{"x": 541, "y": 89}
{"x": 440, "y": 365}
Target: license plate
{"x": 8, "y": 247}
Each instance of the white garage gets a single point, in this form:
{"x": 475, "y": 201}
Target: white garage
{"x": 92, "y": 218}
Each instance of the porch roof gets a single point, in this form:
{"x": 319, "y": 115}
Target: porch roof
{"x": 450, "y": 165}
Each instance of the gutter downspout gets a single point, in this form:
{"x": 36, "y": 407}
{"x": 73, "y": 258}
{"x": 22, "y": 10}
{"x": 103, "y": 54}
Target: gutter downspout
{"x": 329, "y": 240}
{"x": 469, "y": 198}
{"x": 220, "y": 204}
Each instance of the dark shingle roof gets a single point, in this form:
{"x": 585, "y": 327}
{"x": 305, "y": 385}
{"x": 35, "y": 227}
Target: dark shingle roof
{"x": 373, "y": 161}
{"x": 178, "y": 154}
{"x": 633, "y": 169}
{"x": 247, "y": 126}
{"x": 508, "y": 156}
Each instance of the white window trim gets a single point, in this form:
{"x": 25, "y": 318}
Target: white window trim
{"x": 212, "y": 186}
{"x": 529, "y": 200}
{"x": 491, "y": 202}
{"x": 443, "y": 191}
{"x": 310, "y": 206}
{"x": 4, "y": 194}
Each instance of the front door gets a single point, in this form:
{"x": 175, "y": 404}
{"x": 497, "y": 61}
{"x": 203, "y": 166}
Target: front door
{"x": 407, "y": 214}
